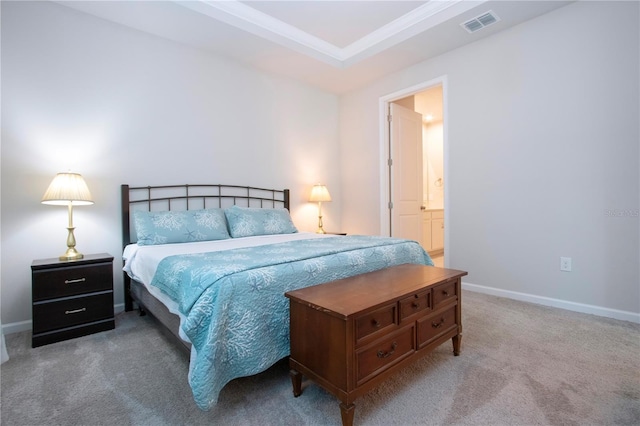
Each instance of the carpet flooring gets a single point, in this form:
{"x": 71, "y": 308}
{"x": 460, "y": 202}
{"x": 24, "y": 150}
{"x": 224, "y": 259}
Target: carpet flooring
{"x": 521, "y": 364}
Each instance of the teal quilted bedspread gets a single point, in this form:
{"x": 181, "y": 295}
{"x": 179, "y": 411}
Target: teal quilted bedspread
{"x": 237, "y": 316}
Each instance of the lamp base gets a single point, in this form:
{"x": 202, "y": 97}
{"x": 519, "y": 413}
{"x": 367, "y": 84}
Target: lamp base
{"x": 320, "y": 230}
{"x": 71, "y": 254}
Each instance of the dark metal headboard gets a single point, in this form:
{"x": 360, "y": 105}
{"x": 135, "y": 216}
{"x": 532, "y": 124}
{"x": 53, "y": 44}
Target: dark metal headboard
{"x": 192, "y": 197}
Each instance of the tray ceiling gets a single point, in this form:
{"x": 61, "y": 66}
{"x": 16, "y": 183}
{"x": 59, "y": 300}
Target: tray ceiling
{"x": 335, "y": 45}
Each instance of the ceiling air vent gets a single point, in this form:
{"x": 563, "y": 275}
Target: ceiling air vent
{"x": 480, "y": 21}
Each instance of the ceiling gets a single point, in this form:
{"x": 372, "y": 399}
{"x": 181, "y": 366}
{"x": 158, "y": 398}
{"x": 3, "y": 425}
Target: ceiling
{"x": 337, "y": 46}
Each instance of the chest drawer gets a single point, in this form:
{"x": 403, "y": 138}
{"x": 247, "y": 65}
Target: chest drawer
{"x": 70, "y": 281}
{"x": 384, "y": 353}
{"x": 375, "y": 322}
{"x": 444, "y": 293}
{"x": 72, "y": 311}
{"x": 414, "y": 304}
{"x": 429, "y": 328}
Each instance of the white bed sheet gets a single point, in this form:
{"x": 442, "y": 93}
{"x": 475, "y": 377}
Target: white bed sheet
{"x": 141, "y": 262}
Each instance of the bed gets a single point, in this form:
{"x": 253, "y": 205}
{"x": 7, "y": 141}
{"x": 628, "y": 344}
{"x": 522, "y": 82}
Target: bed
{"x": 212, "y": 264}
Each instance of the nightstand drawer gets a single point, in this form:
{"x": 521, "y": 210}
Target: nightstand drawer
{"x": 67, "y": 312}
{"x": 70, "y": 281}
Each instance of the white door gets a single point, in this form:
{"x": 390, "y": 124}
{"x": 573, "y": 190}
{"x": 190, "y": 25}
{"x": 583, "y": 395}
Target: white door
{"x": 406, "y": 173}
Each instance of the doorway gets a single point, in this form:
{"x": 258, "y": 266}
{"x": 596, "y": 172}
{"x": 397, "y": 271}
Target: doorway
{"x": 428, "y": 100}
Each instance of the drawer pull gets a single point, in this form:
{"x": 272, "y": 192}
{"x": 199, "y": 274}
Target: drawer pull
{"x": 415, "y": 304}
{"x": 75, "y": 311}
{"x": 382, "y": 354}
{"x": 376, "y": 323}
{"x": 78, "y": 280}
{"x": 438, "y": 324}
{"x": 445, "y": 293}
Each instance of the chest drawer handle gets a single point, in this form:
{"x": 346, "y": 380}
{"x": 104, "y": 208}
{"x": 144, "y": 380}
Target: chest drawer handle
{"x": 78, "y": 280}
{"x": 75, "y": 311}
{"x": 376, "y": 323}
{"x": 382, "y": 354}
{"x": 438, "y": 324}
{"x": 415, "y": 304}
{"x": 445, "y": 293}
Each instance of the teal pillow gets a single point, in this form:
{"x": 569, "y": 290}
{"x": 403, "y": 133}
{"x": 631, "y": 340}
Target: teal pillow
{"x": 167, "y": 227}
{"x": 248, "y": 221}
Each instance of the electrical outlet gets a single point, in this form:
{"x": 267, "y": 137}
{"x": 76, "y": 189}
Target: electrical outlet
{"x": 565, "y": 264}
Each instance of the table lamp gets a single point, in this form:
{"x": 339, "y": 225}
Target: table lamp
{"x": 68, "y": 189}
{"x": 320, "y": 193}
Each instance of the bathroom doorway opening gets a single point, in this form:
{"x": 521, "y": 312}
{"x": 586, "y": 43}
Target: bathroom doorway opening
{"x": 429, "y": 101}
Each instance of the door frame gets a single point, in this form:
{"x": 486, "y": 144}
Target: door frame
{"x": 385, "y": 145}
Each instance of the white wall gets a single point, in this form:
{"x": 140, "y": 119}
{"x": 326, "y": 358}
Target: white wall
{"x": 543, "y": 143}
{"x": 120, "y": 106}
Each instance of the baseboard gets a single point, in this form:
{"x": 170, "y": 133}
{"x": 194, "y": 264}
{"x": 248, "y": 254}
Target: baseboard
{"x": 17, "y": 327}
{"x": 555, "y": 303}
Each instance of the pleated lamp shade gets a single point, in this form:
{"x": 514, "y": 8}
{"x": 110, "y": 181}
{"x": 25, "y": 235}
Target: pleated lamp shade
{"x": 67, "y": 188}
{"x": 319, "y": 193}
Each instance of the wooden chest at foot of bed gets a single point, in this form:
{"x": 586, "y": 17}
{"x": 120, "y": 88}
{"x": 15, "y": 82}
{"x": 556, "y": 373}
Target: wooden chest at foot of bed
{"x": 349, "y": 335}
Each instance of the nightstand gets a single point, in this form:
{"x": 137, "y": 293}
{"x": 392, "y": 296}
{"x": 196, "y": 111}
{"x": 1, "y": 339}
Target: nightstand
{"x": 71, "y": 298}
